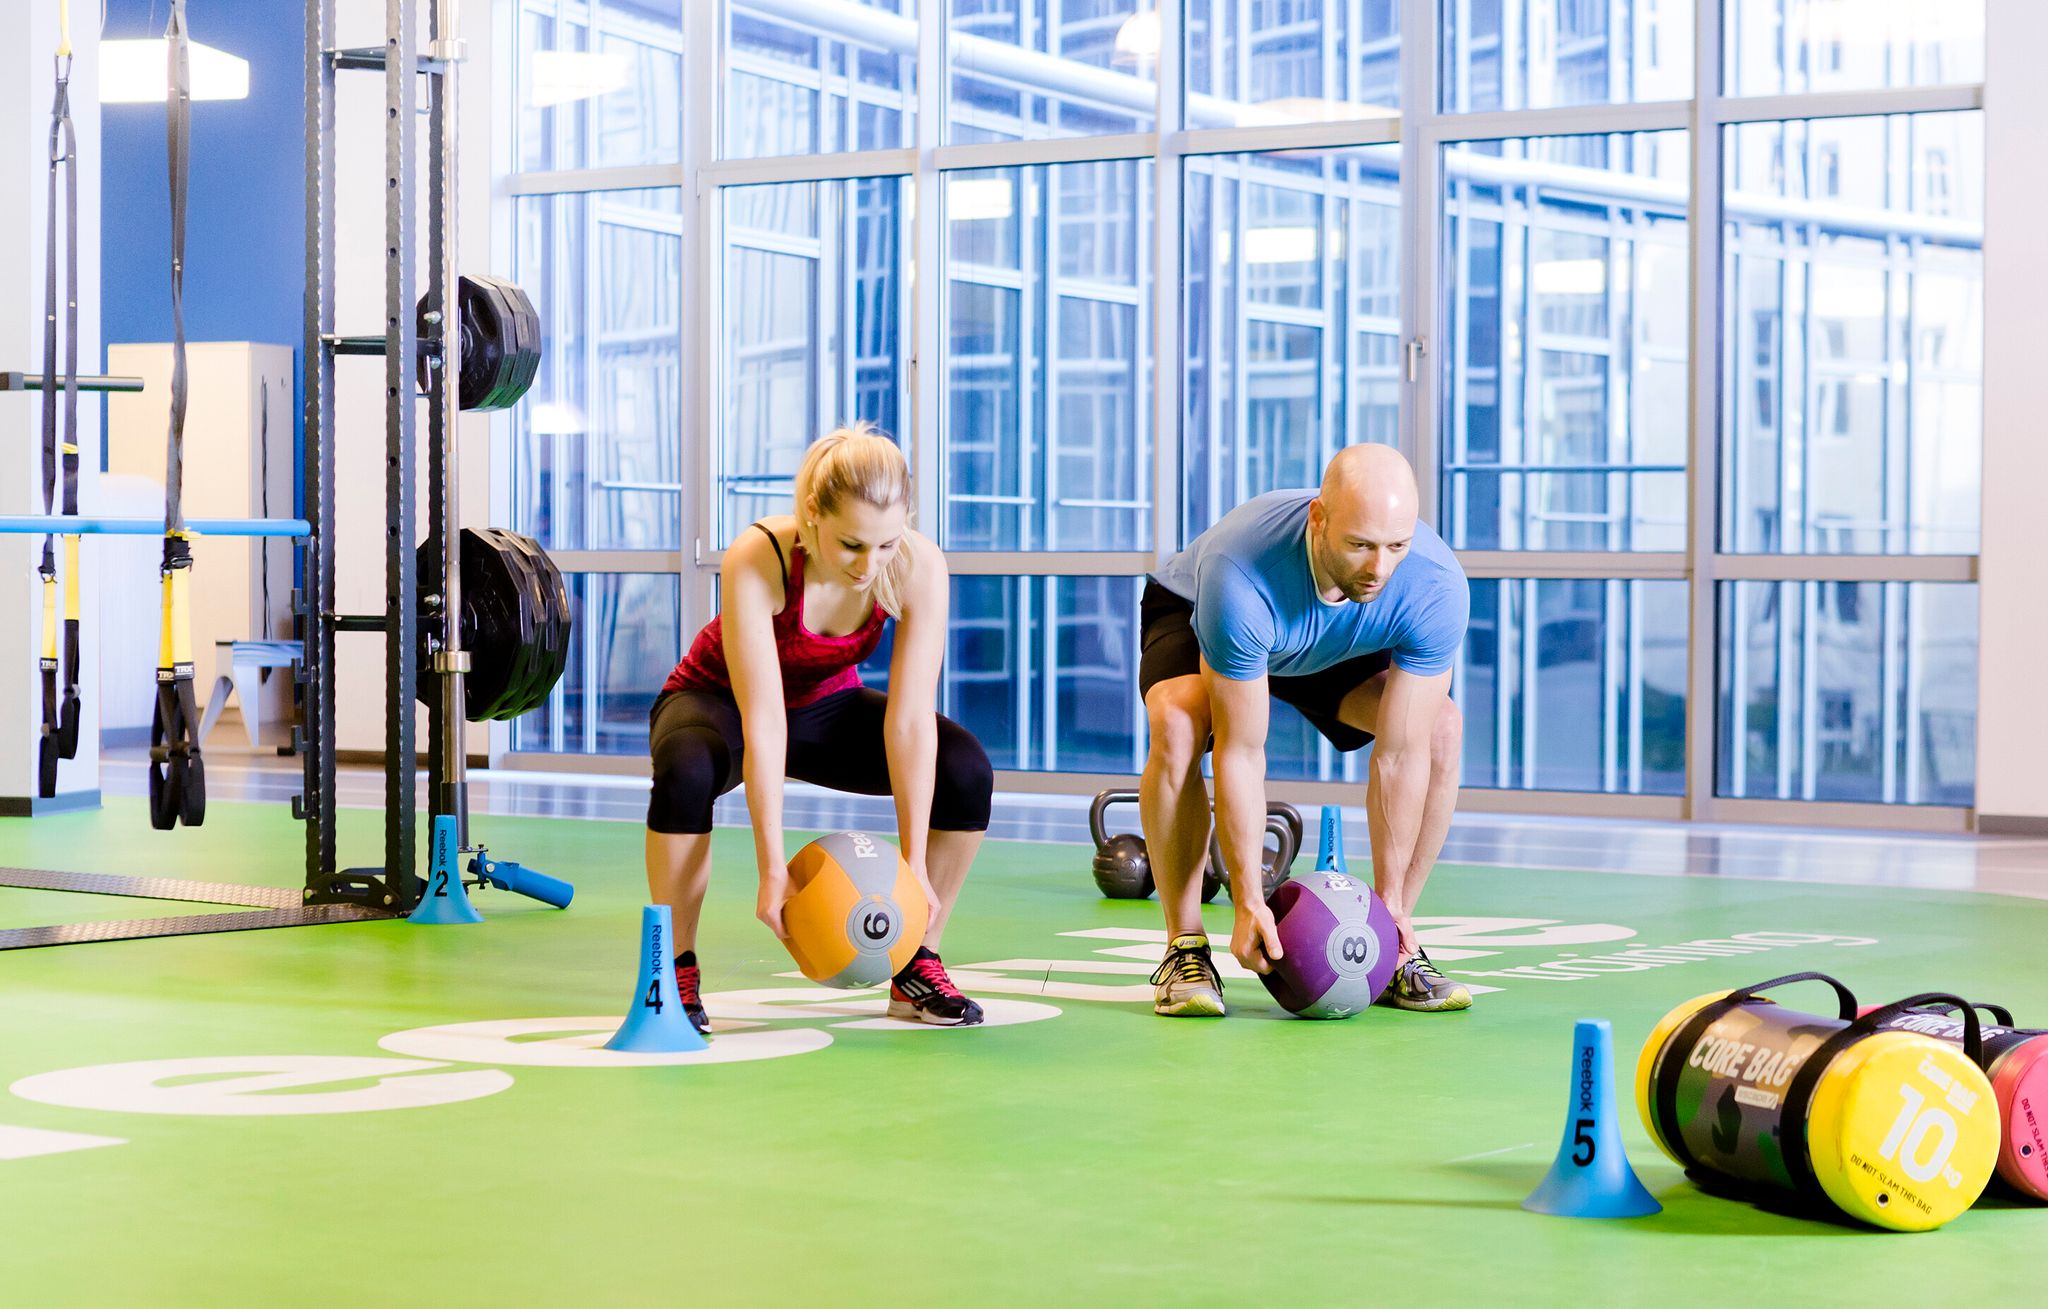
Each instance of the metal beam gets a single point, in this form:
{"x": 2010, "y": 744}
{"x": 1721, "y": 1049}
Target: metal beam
{"x": 314, "y": 600}
{"x": 37, "y": 382}
{"x": 73, "y": 525}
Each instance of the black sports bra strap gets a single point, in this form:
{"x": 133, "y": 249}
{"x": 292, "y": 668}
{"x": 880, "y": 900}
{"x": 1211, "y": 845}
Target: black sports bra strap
{"x": 779, "y": 560}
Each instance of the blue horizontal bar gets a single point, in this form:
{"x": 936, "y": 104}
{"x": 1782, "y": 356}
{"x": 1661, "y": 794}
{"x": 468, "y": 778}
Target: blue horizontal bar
{"x": 38, "y": 525}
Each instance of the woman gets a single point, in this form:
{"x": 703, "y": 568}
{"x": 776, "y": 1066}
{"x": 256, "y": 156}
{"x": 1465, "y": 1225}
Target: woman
{"x": 770, "y": 690}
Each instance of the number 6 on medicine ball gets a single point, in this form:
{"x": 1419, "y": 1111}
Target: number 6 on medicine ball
{"x": 856, "y": 913}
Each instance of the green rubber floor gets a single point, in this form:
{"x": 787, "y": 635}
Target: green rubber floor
{"x": 1076, "y": 1151}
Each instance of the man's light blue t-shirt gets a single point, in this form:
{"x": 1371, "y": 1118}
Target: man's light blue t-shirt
{"x": 1257, "y": 610}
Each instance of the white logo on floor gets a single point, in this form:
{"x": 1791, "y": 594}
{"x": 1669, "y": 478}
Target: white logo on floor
{"x": 250, "y": 1085}
{"x": 742, "y": 1030}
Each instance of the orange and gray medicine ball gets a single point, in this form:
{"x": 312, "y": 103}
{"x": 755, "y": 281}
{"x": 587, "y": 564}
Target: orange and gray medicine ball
{"x": 856, "y": 913}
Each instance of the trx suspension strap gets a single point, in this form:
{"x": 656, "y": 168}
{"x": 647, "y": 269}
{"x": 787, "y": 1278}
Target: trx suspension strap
{"x": 177, "y": 779}
{"x": 60, "y": 721}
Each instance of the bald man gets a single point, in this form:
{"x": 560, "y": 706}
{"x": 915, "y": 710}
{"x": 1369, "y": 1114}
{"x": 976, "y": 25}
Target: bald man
{"x": 1344, "y": 605}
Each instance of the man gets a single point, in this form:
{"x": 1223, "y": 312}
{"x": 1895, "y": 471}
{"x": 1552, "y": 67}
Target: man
{"x": 1342, "y": 604}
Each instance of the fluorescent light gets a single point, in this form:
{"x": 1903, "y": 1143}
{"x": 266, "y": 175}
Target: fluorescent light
{"x": 1137, "y": 40}
{"x": 137, "y": 72}
{"x": 1280, "y": 245}
{"x": 551, "y": 419}
{"x": 562, "y": 76}
{"x": 974, "y": 198}
{"x": 1569, "y": 277}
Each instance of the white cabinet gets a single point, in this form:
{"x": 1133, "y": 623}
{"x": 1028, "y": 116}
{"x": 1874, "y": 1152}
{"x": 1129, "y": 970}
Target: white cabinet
{"x": 240, "y": 416}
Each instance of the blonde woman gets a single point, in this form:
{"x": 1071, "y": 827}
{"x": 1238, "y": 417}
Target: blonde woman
{"x": 770, "y": 690}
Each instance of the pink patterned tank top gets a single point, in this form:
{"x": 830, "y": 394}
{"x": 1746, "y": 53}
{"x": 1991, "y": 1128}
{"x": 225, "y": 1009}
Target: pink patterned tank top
{"x": 813, "y": 666}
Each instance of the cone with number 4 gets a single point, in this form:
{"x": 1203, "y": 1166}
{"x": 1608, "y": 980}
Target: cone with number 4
{"x": 656, "y": 1024}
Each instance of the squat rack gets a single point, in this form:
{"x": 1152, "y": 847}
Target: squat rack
{"x": 395, "y": 886}
{"x": 333, "y": 893}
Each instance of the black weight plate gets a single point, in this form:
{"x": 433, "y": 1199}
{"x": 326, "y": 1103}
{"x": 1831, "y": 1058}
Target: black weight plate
{"x": 515, "y": 624}
{"x": 557, "y": 621}
{"x": 516, "y": 328}
{"x": 526, "y": 608}
{"x": 498, "y": 340}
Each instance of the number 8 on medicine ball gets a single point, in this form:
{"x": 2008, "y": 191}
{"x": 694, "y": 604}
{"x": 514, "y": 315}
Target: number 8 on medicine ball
{"x": 856, "y": 913}
{"x": 1337, "y": 943}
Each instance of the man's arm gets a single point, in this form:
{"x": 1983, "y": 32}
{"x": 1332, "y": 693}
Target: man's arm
{"x": 1409, "y": 707}
{"x": 1239, "y": 711}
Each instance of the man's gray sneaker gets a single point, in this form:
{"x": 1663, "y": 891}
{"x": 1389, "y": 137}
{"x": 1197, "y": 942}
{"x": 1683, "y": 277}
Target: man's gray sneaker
{"x": 1417, "y": 985}
{"x": 1185, "y": 983}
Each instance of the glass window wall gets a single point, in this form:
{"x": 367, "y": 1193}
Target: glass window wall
{"x": 1782, "y": 47}
{"x": 820, "y": 76}
{"x": 1296, "y": 61}
{"x": 597, "y": 443}
{"x": 1032, "y": 69}
{"x": 1538, "y": 54}
{"x": 1565, "y": 304}
{"x": 1048, "y": 423}
{"x": 812, "y": 332}
{"x": 600, "y": 83}
{"x": 1854, "y": 322}
{"x": 1291, "y": 316}
{"x": 1534, "y": 306}
{"x": 627, "y": 637}
{"x": 1849, "y": 691}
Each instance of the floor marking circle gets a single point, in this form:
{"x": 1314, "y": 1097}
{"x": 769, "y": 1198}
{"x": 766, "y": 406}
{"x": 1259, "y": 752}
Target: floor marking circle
{"x": 245, "y": 1085}
{"x": 579, "y": 1043}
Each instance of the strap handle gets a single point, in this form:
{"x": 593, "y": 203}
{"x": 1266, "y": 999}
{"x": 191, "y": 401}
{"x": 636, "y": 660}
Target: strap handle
{"x": 178, "y": 146}
{"x": 1845, "y": 999}
{"x": 1973, "y": 1033}
{"x": 1998, "y": 1012}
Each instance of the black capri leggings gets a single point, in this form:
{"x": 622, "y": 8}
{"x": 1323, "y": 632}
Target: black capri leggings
{"x": 835, "y": 742}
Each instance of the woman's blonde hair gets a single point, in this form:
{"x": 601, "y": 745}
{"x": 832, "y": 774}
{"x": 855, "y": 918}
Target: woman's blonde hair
{"x": 857, "y": 463}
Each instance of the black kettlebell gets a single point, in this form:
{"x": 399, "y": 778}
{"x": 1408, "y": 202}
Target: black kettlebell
{"x": 1282, "y": 843}
{"x": 1122, "y": 869}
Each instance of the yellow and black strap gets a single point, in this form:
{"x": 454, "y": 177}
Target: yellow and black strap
{"x": 177, "y": 776}
{"x": 59, "y": 739}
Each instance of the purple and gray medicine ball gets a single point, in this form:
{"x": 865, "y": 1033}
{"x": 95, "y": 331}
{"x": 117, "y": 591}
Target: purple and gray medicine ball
{"x": 1338, "y": 945}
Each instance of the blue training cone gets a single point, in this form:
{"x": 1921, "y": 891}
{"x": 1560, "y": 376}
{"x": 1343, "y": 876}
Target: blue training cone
{"x": 656, "y": 1024}
{"x": 1592, "y": 1177}
{"x": 1330, "y": 852}
{"x": 446, "y": 899}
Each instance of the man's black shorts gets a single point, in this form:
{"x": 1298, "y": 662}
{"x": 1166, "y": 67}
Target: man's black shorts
{"x": 1168, "y": 649}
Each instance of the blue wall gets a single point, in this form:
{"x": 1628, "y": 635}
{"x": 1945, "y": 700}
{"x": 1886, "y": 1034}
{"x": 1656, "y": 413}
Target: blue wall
{"x": 246, "y": 214}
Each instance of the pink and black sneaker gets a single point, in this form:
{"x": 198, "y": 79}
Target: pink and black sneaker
{"x": 922, "y": 993}
{"x": 689, "y": 981}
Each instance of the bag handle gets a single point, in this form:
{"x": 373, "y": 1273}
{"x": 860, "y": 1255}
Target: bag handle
{"x": 1973, "y": 1034}
{"x": 1845, "y": 998}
